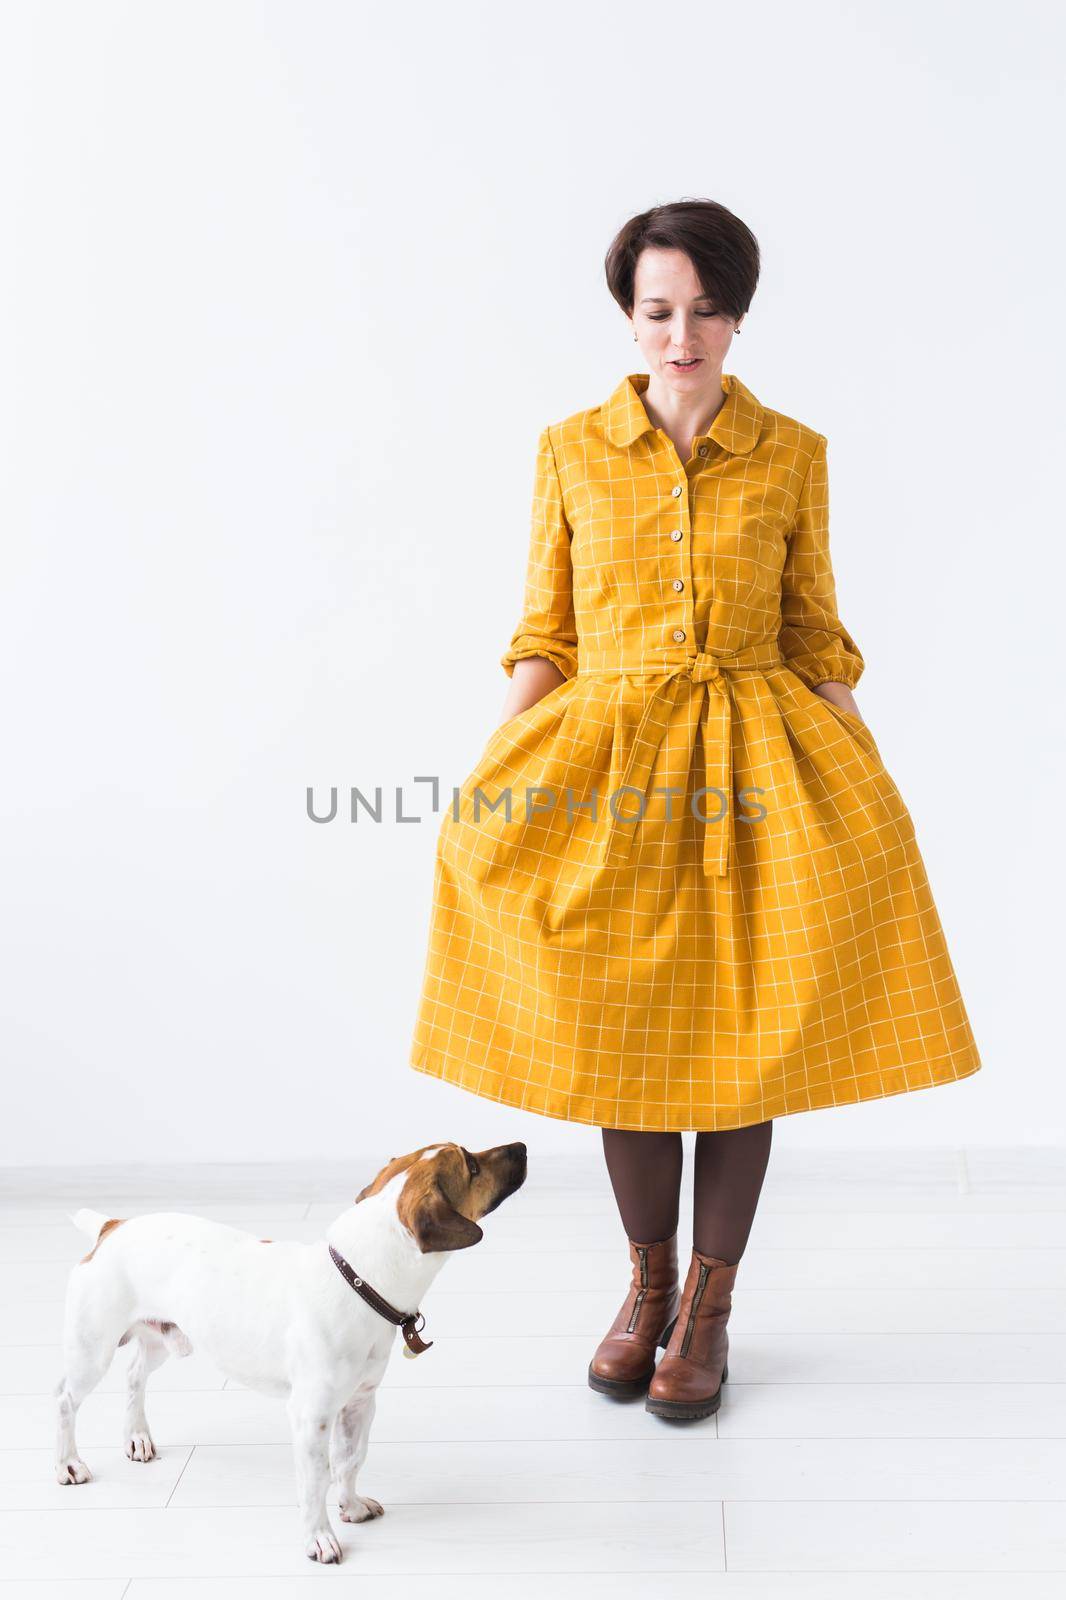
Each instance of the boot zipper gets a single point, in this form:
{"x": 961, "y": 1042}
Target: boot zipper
{"x": 696, "y": 1298}
{"x": 642, "y": 1251}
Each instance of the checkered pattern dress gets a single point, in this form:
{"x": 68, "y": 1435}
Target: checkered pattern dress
{"x": 681, "y": 891}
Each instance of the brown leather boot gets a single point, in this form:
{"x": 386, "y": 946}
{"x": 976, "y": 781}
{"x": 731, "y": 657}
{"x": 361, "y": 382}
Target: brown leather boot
{"x": 688, "y": 1380}
{"x": 625, "y": 1358}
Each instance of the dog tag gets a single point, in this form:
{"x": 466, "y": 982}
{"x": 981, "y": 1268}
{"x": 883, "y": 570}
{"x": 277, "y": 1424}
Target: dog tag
{"x": 413, "y": 1345}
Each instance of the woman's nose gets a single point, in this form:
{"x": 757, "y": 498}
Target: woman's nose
{"x": 681, "y": 330}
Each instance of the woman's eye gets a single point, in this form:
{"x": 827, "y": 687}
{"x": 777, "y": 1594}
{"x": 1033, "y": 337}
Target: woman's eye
{"x": 661, "y": 316}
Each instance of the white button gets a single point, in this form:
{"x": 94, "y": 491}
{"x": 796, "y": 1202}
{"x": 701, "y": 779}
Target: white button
{"x": 676, "y": 490}
{"x": 702, "y": 451}
{"x": 676, "y": 534}
{"x": 679, "y": 585}
{"x": 679, "y": 634}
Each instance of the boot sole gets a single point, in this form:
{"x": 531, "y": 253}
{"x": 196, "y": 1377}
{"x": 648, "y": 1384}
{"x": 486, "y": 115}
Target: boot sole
{"x": 627, "y": 1388}
{"x": 688, "y": 1410}
{"x": 620, "y": 1388}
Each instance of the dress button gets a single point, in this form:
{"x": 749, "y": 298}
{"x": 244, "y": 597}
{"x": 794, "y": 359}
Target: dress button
{"x": 702, "y": 450}
{"x": 676, "y": 534}
{"x": 676, "y": 490}
{"x": 678, "y": 583}
{"x": 679, "y": 634}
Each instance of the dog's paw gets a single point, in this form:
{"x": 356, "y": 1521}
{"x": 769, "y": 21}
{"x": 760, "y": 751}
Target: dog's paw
{"x": 324, "y": 1547}
{"x": 73, "y": 1470}
{"x": 360, "y": 1508}
{"x": 140, "y": 1447}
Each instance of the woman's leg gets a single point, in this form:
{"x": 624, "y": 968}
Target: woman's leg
{"x": 645, "y": 1172}
{"x": 727, "y": 1178}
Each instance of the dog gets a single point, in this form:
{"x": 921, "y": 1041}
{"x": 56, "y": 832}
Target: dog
{"x": 314, "y": 1323}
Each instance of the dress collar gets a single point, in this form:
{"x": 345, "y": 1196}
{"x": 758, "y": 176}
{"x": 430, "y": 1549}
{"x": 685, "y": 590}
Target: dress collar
{"x": 736, "y": 427}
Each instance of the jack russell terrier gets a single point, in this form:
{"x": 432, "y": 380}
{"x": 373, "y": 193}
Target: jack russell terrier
{"x": 312, "y": 1322}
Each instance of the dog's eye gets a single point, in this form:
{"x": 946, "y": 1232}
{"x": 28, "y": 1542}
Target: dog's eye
{"x": 472, "y": 1165}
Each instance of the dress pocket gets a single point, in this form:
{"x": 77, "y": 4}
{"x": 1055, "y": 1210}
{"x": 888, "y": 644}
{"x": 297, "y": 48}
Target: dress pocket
{"x": 850, "y": 719}
{"x": 858, "y": 729}
{"x": 512, "y": 728}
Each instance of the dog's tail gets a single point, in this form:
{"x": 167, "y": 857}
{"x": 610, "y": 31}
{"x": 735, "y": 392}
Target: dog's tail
{"x": 90, "y": 1222}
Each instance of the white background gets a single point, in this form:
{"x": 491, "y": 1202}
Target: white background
{"x": 287, "y": 293}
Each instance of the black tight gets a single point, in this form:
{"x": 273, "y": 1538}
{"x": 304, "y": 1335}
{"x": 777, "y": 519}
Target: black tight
{"x": 645, "y": 1172}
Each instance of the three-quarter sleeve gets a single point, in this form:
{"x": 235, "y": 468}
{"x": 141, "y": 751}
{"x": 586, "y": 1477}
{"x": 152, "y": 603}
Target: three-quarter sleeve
{"x": 813, "y": 640}
{"x": 547, "y": 626}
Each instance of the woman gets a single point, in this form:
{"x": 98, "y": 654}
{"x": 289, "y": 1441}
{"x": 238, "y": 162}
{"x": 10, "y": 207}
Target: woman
{"x": 680, "y": 890}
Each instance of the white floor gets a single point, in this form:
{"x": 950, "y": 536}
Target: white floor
{"x": 894, "y": 1424}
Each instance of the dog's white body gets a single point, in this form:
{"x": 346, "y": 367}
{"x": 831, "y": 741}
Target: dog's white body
{"x": 275, "y": 1316}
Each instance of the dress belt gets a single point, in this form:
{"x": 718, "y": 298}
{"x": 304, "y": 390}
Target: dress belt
{"x": 642, "y": 719}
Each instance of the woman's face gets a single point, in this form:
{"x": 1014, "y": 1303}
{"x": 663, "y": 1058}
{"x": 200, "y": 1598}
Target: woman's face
{"x": 674, "y": 320}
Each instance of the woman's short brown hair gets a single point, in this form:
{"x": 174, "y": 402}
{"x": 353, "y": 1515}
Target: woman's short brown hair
{"x": 724, "y": 252}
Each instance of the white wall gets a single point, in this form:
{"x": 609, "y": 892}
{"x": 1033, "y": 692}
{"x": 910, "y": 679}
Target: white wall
{"x": 275, "y": 276}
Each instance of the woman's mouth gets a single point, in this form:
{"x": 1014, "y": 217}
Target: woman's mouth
{"x": 687, "y": 366}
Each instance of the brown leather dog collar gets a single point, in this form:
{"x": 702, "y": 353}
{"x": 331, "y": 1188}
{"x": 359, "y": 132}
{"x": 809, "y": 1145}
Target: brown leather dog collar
{"x": 405, "y": 1320}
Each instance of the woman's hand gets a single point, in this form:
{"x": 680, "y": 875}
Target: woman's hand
{"x": 841, "y": 696}
{"x": 531, "y": 680}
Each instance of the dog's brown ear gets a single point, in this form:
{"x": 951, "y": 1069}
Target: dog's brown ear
{"x": 436, "y": 1224}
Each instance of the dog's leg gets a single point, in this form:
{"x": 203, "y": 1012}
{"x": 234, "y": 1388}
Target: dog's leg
{"x": 150, "y": 1350}
{"x": 311, "y": 1418}
{"x": 87, "y": 1361}
{"x": 348, "y": 1447}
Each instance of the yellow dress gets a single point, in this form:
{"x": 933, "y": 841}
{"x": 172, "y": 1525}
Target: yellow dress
{"x": 603, "y": 953}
